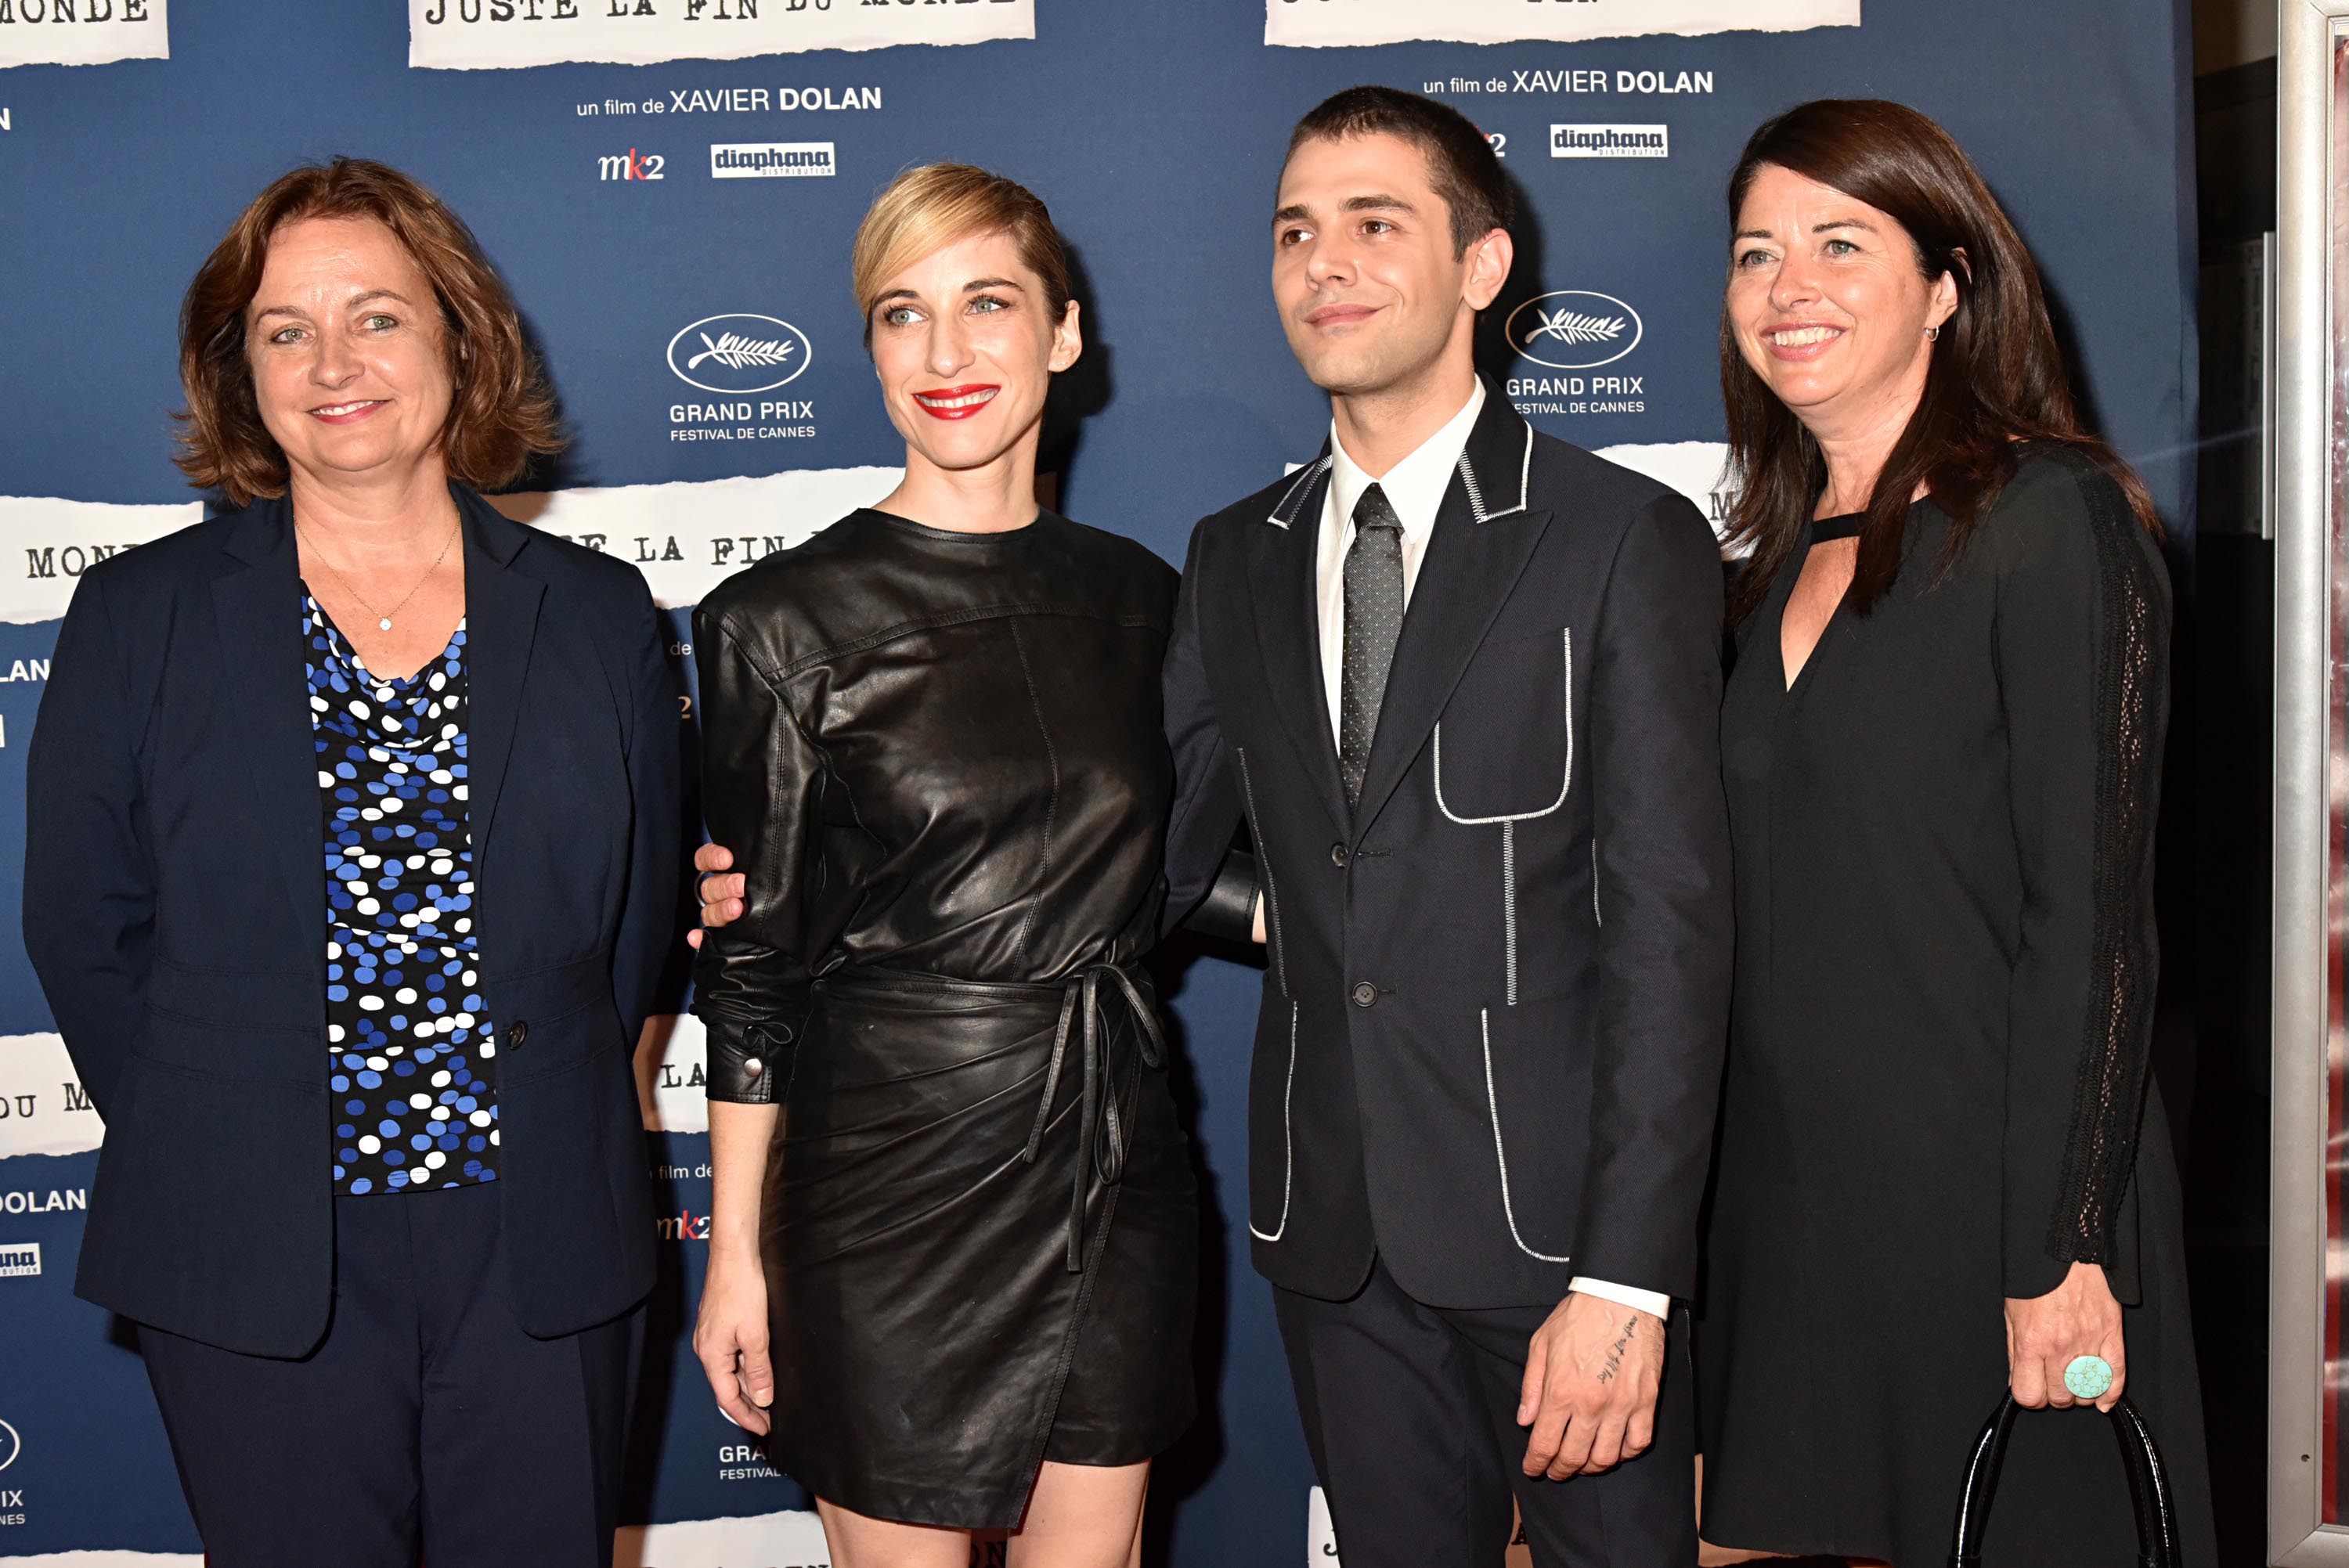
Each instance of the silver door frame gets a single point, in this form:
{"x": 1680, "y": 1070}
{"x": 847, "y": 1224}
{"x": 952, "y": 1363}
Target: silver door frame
{"x": 2311, "y": 921}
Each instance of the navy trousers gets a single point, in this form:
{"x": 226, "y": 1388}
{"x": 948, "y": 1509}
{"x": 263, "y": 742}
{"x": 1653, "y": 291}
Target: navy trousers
{"x": 426, "y": 1422}
{"x": 1410, "y": 1413}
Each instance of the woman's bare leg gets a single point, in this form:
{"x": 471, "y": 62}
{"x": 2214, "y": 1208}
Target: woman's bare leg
{"x": 1083, "y": 1516}
{"x": 857, "y": 1542}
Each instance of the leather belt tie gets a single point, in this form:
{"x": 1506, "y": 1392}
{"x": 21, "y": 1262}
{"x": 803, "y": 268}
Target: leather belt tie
{"x": 1101, "y": 1131}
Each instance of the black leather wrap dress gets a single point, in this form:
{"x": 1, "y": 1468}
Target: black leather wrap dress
{"x": 940, "y": 760}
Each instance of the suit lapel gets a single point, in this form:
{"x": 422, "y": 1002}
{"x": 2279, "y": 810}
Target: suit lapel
{"x": 1287, "y": 621}
{"x": 501, "y": 603}
{"x": 1485, "y": 534}
{"x": 258, "y": 610}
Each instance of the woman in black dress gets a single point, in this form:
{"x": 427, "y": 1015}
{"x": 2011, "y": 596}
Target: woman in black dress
{"x": 1944, "y": 1171}
{"x": 967, "y": 1244}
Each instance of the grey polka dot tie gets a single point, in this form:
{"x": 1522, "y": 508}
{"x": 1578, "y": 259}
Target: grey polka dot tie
{"x": 1373, "y": 620}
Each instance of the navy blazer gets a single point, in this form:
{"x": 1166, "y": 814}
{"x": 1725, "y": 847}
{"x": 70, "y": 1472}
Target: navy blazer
{"x": 175, "y": 909}
{"x": 1494, "y": 1012}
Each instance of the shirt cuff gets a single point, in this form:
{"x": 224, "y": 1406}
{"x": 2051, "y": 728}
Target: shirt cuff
{"x": 1654, "y": 1303}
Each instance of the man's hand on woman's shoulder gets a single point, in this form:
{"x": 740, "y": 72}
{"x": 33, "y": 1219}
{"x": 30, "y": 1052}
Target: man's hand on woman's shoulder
{"x": 720, "y": 889}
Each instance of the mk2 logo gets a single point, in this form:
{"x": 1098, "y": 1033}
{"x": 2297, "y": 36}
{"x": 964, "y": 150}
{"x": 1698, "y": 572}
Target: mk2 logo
{"x": 634, "y": 166}
{"x": 1573, "y": 329}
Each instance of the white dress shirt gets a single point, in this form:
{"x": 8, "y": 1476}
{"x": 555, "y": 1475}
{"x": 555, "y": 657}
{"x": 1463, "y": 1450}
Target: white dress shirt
{"x": 1415, "y": 488}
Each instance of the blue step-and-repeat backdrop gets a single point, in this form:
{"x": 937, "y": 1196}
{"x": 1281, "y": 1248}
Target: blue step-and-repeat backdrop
{"x": 653, "y": 174}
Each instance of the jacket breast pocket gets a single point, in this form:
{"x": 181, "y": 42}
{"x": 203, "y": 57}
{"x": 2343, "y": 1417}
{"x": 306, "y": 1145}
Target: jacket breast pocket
{"x": 1505, "y": 746}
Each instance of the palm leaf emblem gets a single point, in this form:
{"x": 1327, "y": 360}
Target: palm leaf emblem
{"x": 738, "y": 353}
{"x": 1569, "y": 326}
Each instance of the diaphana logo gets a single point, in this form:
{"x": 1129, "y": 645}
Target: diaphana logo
{"x": 20, "y": 1259}
{"x": 1611, "y": 142}
{"x": 1575, "y": 329}
{"x": 11, "y": 1445}
{"x": 769, "y": 160}
{"x": 738, "y": 354}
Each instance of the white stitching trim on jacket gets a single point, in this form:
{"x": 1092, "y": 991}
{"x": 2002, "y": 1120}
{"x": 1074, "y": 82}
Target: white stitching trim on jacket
{"x": 1477, "y": 494}
{"x": 1289, "y": 1141}
{"x": 1509, "y": 822}
{"x": 1305, "y": 476}
{"x": 1508, "y": 1209}
{"x": 1264, "y": 862}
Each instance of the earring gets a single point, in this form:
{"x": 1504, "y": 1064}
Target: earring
{"x": 1933, "y": 334}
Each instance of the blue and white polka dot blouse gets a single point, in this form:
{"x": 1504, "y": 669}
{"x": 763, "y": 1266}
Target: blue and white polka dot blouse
{"x": 414, "y": 1060}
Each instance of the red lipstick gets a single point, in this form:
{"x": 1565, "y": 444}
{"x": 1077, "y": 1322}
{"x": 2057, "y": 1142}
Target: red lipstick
{"x": 957, "y": 402}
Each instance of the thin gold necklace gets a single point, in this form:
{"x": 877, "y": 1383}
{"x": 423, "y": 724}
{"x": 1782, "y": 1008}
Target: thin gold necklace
{"x": 383, "y": 618}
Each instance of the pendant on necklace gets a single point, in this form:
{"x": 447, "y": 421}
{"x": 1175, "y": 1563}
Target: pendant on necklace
{"x": 385, "y": 624}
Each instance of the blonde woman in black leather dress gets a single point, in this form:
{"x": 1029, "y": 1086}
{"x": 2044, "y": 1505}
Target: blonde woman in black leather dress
{"x": 953, "y": 1252}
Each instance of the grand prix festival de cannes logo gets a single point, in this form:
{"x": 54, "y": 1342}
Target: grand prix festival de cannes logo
{"x": 1575, "y": 329}
{"x": 11, "y": 1445}
{"x": 738, "y": 354}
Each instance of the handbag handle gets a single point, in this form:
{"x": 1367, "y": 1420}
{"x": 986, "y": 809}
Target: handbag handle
{"x": 2157, "y": 1523}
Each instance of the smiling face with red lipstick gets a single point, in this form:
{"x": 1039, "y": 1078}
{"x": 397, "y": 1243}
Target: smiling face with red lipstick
{"x": 348, "y": 351}
{"x": 1830, "y": 306}
{"x": 966, "y": 344}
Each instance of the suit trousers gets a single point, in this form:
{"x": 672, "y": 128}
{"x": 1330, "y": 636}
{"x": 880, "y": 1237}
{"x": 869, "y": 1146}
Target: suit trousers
{"x": 425, "y": 1422}
{"x": 1410, "y": 1414}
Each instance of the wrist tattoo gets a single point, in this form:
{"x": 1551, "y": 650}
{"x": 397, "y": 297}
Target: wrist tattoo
{"x": 1615, "y": 1356}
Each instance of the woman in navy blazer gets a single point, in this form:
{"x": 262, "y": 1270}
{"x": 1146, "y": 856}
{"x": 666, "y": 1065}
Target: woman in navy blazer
{"x": 352, "y": 834}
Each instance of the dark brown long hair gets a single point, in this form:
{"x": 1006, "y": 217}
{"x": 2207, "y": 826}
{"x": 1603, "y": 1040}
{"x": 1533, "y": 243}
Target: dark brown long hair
{"x": 502, "y": 412}
{"x": 1996, "y": 378}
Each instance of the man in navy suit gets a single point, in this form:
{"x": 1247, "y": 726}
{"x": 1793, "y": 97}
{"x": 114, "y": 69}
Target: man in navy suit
{"x": 1461, "y": 682}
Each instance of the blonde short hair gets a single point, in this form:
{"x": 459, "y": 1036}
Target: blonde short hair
{"x": 928, "y": 208}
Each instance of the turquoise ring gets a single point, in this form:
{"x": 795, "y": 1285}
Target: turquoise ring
{"x": 2088, "y": 1377}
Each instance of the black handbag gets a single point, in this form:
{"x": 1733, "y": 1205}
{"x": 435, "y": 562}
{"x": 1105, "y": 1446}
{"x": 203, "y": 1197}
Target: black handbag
{"x": 2157, "y": 1520}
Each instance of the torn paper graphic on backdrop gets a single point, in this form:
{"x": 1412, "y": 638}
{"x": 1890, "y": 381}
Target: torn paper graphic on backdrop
{"x": 1323, "y": 24}
{"x": 82, "y": 32}
{"x": 45, "y": 545}
{"x": 689, "y": 536}
{"x": 479, "y": 34}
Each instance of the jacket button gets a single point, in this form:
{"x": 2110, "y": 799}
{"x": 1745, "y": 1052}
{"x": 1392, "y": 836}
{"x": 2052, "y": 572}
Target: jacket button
{"x": 1365, "y": 994}
{"x": 753, "y": 1066}
{"x": 517, "y": 1035}
{"x": 1337, "y": 856}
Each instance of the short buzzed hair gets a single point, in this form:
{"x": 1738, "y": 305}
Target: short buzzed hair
{"x": 1467, "y": 173}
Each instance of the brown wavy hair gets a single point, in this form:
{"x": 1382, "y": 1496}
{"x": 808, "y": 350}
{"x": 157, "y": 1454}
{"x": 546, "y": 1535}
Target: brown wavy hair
{"x": 1996, "y": 378}
{"x": 501, "y": 413}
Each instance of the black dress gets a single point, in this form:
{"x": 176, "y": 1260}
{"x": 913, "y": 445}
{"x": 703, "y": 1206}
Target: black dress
{"x": 939, "y": 758}
{"x": 1937, "y": 1094}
